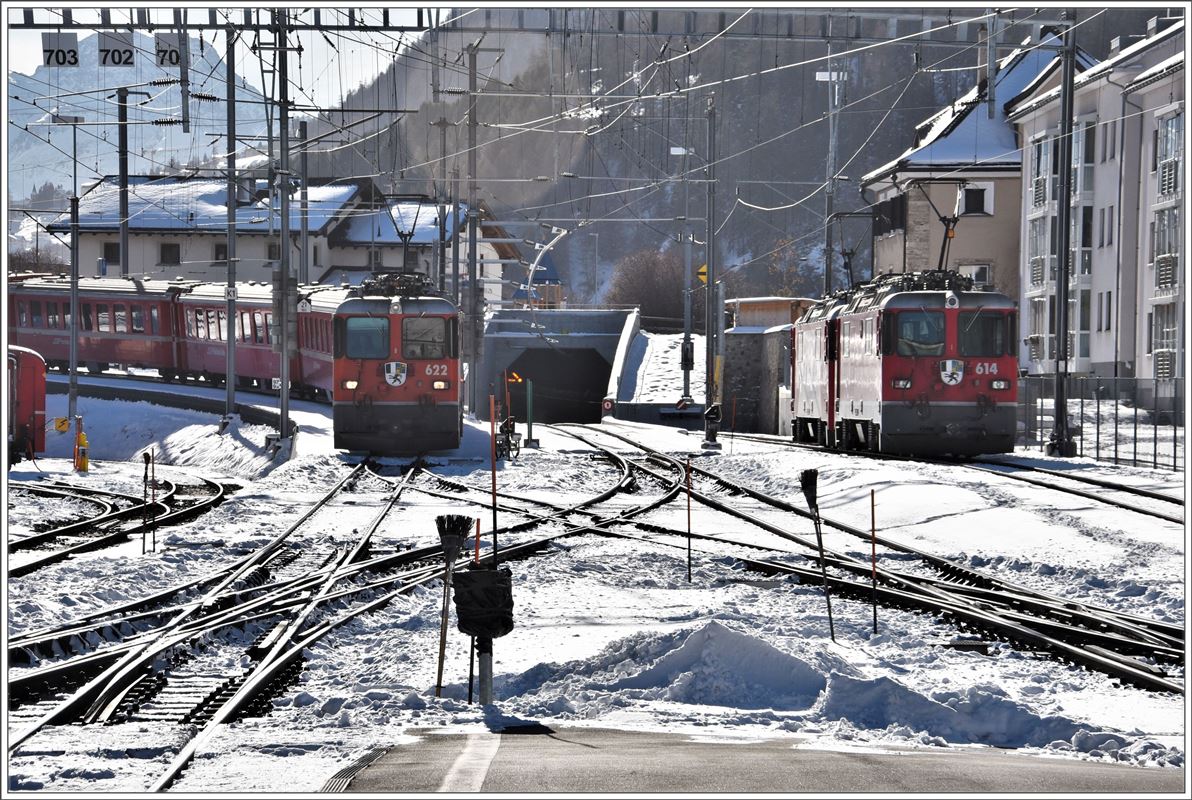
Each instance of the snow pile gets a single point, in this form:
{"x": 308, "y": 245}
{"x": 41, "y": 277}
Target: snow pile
{"x": 653, "y": 371}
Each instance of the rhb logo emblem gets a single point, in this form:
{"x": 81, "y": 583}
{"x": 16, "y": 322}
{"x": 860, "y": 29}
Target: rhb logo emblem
{"x": 952, "y": 371}
{"x": 395, "y": 373}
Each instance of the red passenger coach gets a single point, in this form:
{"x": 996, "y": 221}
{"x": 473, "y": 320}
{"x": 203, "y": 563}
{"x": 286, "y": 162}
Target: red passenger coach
{"x": 26, "y": 404}
{"x": 397, "y": 388}
{"x": 913, "y": 363}
{"x": 121, "y": 321}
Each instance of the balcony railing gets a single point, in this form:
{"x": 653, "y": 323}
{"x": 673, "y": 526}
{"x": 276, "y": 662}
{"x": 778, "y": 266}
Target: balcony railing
{"x": 1166, "y": 271}
{"x": 1036, "y": 347}
{"x": 1037, "y": 271}
{"x": 1169, "y": 177}
{"x": 1081, "y": 263}
{"x": 1039, "y": 191}
{"x": 1164, "y": 364}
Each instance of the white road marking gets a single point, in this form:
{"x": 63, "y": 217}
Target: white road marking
{"x": 468, "y": 772}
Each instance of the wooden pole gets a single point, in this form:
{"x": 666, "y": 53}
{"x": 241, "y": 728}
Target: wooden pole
{"x": 477, "y": 558}
{"x": 873, "y": 545}
{"x": 689, "y": 519}
{"x": 492, "y": 449}
{"x": 443, "y": 625}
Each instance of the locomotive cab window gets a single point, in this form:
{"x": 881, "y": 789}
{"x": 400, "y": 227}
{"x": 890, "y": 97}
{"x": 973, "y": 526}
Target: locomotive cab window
{"x": 424, "y": 337}
{"x": 366, "y": 337}
{"x": 920, "y": 333}
{"x": 983, "y": 334}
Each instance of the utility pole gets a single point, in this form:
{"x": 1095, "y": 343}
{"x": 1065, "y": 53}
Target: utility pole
{"x": 475, "y": 297}
{"x": 73, "y": 388}
{"x": 304, "y": 215}
{"x": 122, "y": 94}
{"x": 441, "y": 191}
{"x": 122, "y": 155}
{"x": 455, "y": 237}
{"x": 1061, "y": 443}
{"x": 712, "y": 325}
{"x": 686, "y": 352}
{"x": 283, "y": 123}
{"x": 230, "y": 292}
{"x": 830, "y": 195}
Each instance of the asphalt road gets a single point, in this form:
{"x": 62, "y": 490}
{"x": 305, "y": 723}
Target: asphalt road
{"x": 600, "y": 760}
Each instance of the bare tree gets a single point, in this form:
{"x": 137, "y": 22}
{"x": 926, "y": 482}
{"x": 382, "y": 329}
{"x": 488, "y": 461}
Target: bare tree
{"x": 653, "y": 281}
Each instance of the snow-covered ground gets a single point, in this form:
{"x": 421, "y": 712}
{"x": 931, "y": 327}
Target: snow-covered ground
{"x": 609, "y": 632}
{"x": 652, "y": 372}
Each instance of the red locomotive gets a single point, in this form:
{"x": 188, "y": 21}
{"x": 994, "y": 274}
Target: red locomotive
{"x": 26, "y": 404}
{"x": 405, "y": 400}
{"x": 911, "y": 363}
{"x": 396, "y": 369}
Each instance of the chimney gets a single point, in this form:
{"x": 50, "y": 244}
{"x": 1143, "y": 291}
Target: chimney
{"x": 245, "y": 187}
{"x": 1115, "y": 46}
{"x": 1156, "y": 24}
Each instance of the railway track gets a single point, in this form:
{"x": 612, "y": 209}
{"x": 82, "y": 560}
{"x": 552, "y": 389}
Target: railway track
{"x": 177, "y": 503}
{"x": 1156, "y": 505}
{"x": 1120, "y": 645}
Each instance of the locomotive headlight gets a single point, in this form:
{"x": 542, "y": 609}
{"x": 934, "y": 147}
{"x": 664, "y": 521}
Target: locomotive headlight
{"x": 902, "y": 383}
{"x": 999, "y": 384}
{"x": 441, "y": 385}
{"x": 351, "y": 385}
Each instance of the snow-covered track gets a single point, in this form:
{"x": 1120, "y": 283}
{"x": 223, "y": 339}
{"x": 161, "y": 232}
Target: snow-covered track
{"x": 1011, "y": 470}
{"x": 176, "y": 505}
{"x": 1055, "y": 479}
{"x": 1097, "y": 638}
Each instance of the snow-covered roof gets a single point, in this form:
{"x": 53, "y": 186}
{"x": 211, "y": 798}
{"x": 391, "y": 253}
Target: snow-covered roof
{"x": 198, "y": 205}
{"x": 1172, "y": 64}
{"x": 1104, "y": 69}
{"x": 380, "y": 226}
{"x": 955, "y": 136}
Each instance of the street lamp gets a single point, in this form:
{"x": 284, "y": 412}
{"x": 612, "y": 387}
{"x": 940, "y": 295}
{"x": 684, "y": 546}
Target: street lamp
{"x": 73, "y": 391}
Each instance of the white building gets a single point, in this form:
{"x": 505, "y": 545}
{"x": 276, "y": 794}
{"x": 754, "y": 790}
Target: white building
{"x": 1125, "y": 291}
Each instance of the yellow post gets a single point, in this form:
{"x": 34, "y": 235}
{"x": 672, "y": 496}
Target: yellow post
{"x": 81, "y": 461}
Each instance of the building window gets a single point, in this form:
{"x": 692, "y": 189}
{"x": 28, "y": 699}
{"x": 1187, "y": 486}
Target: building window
{"x": 170, "y": 254}
{"x": 1169, "y": 152}
{"x": 974, "y": 201}
{"x": 221, "y": 251}
{"x": 1100, "y": 311}
{"x": 111, "y": 253}
{"x": 314, "y": 259}
{"x": 1109, "y": 227}
{"x": 1166, "y": 324}
{"x": 375, "y": 261}
{"x": 1108, "y": 311}
{"x": 1112, "y": 140}
{"x": 980, "y": 273}
{"x": 1150, "y": 332}
{"x": 1100, "y": 227}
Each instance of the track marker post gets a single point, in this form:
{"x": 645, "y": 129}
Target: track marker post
{"x": 873, "y": 556}
{"x": 145, "y": 499}
{"x": 689, "y": 519}
{"x": 808, "y": 479}
{"x": 530, "y": 440}
{"x": 492, "y": 434}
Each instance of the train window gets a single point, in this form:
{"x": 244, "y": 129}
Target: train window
{"x": 245, "y": 327}
{"x": 136, "y": 315}
{"x": 85, "y": 316}
{"x": 190, "y": 326}
{"x": 268, "y": 334}
{"x": 222, "y": 320}
{"x": 258, "y": 327}
{"x": 367, "y": 337}
{"x": 424, "y": 337}
{"x": 103, "y": 321}
{"x": 213, "y": 329}
{"x": 119, "y": 318}
{"x": 153, "y": 326}
{"x": 22, "y": 315}
{"x": 35, "y": 314}
{"x": 920, "y": 333}
{"x": 200, "y": 324}
{"x": 982, "y": 334}
{"x": 52, "y": 314}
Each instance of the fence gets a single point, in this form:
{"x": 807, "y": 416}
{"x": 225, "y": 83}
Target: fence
{"x": 1134, "y": 421}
